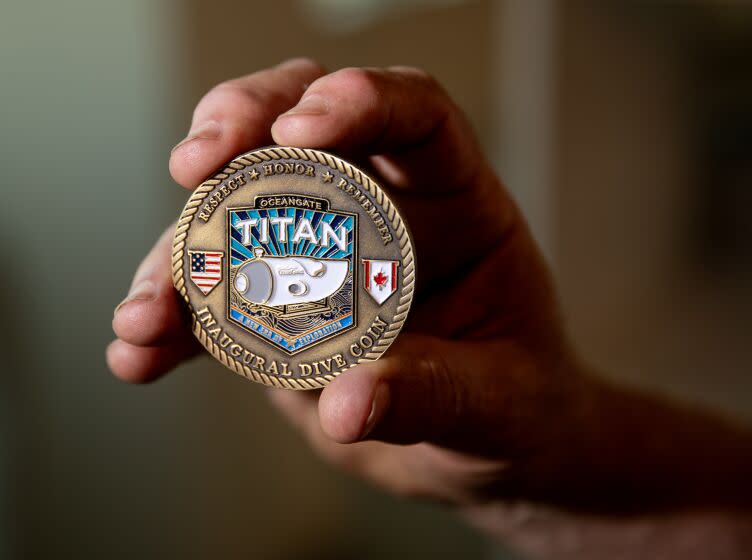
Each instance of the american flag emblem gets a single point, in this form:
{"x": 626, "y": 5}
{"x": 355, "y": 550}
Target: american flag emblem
{"x": 206, "y": 269}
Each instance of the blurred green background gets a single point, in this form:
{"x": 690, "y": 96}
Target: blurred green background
{"x": 623, "y": 128}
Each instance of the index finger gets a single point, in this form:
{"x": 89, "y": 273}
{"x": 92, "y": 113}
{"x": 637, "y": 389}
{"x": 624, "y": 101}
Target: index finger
{"x": 236, "y": 116}
{"x": 402, "y": 115}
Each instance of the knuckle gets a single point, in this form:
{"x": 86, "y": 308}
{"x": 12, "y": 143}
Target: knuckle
{"x": 231, "y": 95}
{"x": 305, "y": 63}
{"x": 419, "y": 77}
{"x": 416, "y": 73}
{"x": 360, "y": 81}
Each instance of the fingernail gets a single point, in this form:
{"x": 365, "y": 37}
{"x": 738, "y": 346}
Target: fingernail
{"x": 378, "y": 407}
{"x": 209, "y": 130}
{"x": 143, "y": 291}
{"x": 309, "y": 105}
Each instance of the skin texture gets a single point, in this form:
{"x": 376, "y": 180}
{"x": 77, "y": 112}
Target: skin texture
{"x": 482, "y": 403}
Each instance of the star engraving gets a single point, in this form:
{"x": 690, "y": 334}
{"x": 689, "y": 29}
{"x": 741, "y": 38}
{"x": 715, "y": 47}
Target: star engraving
{"x": 328, "y": 177}
{"x": 253, "y": 174}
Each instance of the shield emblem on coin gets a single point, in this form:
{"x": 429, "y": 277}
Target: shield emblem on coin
{"x": 291, "y": 271}
{"x": 206, "y": 269}
{"x": 380, "y": 278}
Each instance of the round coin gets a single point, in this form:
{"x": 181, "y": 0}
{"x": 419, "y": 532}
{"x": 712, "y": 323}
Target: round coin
{"x": 295, "y": 266}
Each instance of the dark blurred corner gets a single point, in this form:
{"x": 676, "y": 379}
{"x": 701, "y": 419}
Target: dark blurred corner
{"x": 624, "y": 129}
{"x": 653, "y": 148}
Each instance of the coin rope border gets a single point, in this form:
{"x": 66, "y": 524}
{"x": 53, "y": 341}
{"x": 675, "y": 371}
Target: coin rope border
{"x": 268, "y": 154}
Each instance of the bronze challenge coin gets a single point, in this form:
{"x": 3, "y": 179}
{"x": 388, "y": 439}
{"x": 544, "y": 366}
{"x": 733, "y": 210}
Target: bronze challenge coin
{"x": 295, "y": 266}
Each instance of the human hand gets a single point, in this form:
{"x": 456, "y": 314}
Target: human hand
{"x": 480, "y": 399}
{"x": 483, "y": 369}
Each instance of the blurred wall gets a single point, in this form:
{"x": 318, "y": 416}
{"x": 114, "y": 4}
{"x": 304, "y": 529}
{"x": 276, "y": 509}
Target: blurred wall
{"x": 93, "y": 466}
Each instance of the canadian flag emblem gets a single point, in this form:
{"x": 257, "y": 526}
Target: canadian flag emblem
{"x": 380, "y": 278}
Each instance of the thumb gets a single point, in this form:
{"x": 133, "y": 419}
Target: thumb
{"x": 426, "y": 389}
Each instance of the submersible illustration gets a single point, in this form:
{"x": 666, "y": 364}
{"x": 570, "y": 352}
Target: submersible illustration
{"x": 281, "y": 281}
{"x": 291, "y": 273}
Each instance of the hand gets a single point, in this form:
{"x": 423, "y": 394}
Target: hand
{"x": 481, "y": 399}
{"x": 473, "y": 381}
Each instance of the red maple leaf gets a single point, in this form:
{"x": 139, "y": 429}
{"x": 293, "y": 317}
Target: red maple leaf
{"x": 380, "y": 279}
